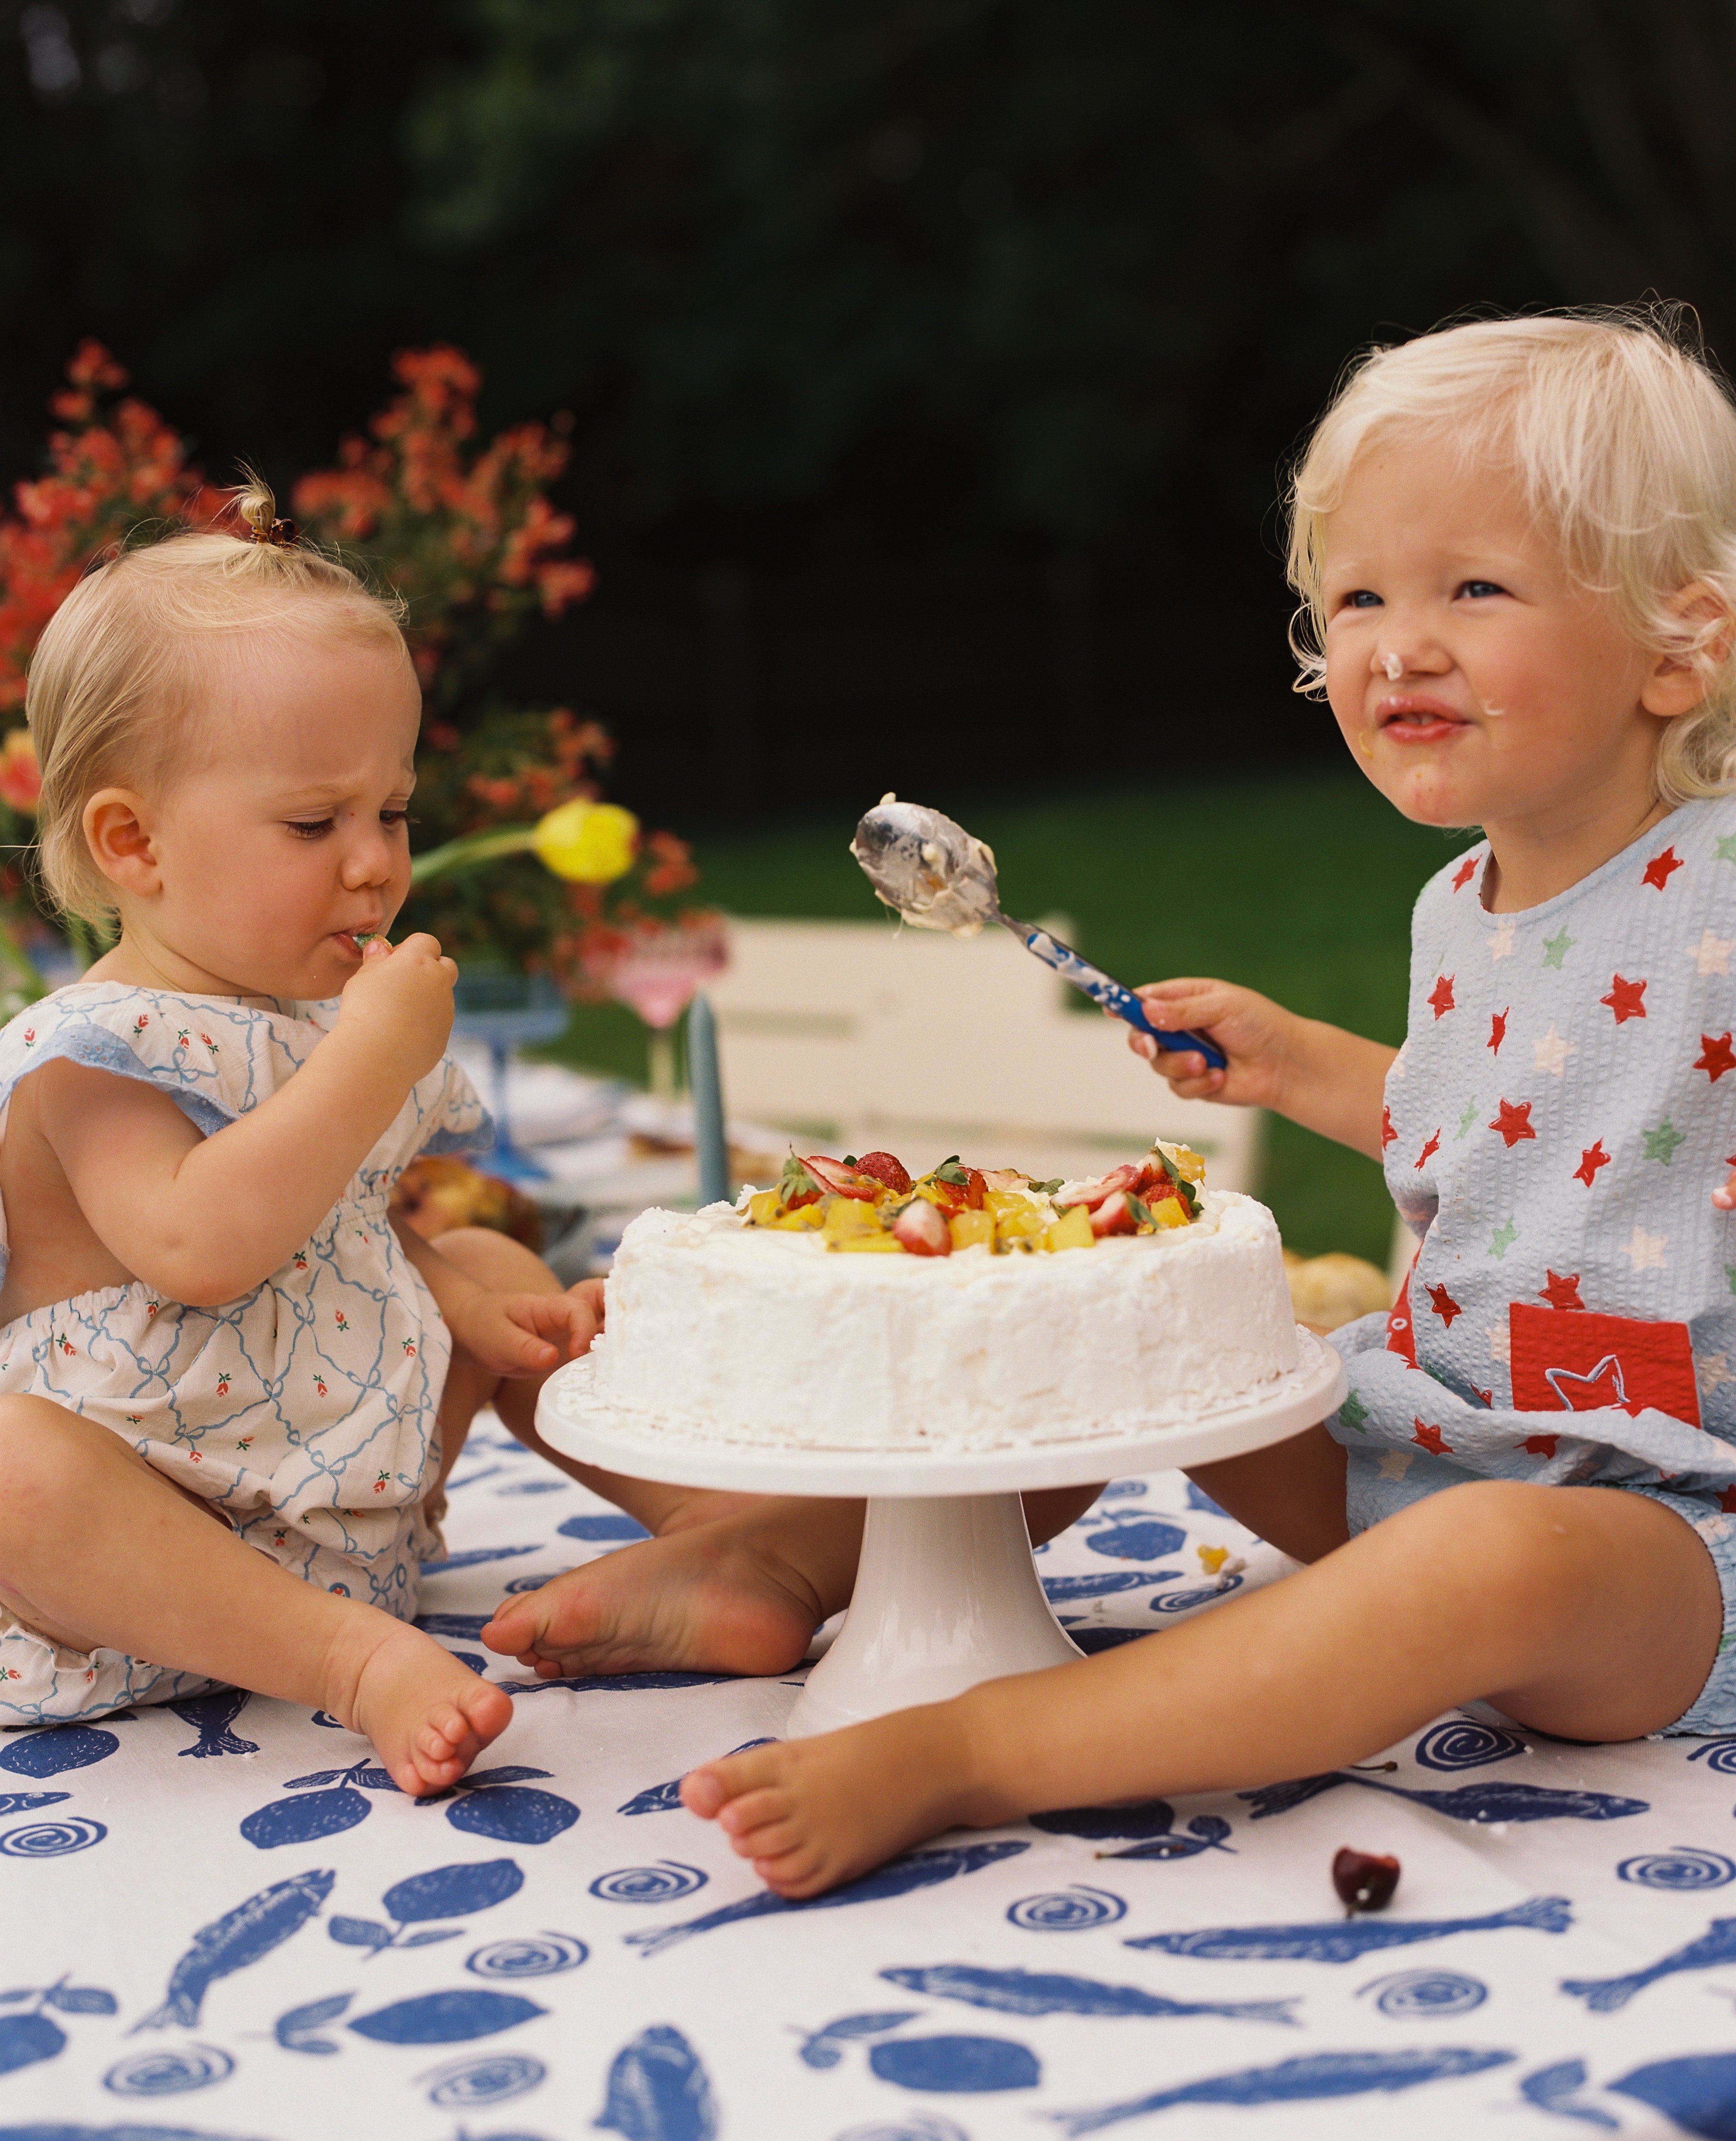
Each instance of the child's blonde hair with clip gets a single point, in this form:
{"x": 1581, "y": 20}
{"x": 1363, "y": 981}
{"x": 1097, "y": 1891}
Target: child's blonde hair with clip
{"x": 122, "y": 662}
{"x": 1623, "y": 436}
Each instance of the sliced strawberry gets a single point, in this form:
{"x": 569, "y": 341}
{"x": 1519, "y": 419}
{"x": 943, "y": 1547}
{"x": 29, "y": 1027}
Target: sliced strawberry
{"x": 845, "y": 1180}
{"x": 884, "y": 1168}
{"x": 1092, "y": 1195}
{"x": 923, "y": 1230}
{"x": 1000, "y": 1178}
{"x": 1115, "y": 1215}
{"x": 976, "y": 1188}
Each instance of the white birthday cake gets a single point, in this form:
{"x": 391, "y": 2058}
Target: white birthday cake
{"x": 853, "y": 1309}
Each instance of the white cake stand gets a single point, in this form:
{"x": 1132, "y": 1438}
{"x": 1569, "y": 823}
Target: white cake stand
{"x": 947, "y": 1594}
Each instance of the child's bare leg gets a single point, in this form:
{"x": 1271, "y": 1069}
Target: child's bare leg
{"x": 1291, "y": 1493}
{"x": 1589, "y": 1612}
{"x": 98, "y": 1551}
{"x": 727, "y": 1582}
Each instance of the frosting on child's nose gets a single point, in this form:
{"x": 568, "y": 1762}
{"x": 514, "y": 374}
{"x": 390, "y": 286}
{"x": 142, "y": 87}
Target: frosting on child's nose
{"x": 1395, "y": 668}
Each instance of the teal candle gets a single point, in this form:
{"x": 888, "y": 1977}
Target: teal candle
{"x": 708, "y": 1131}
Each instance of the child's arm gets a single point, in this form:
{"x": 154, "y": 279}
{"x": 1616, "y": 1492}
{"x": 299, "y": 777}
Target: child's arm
{"x": 511, "y": 1334}
{"x": 1319, "y": 1075}
{"x": 205, "y": 1219}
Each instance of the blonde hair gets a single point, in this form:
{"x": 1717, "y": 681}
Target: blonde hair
{"x": 1623, "y": 436}
{"x": 119, "y": 663}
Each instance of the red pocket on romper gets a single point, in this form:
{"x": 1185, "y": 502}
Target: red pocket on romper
{"x": 1570, "y": 1360}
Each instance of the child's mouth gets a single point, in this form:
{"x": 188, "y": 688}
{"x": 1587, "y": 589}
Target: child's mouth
{"x": 1410, "y": 719}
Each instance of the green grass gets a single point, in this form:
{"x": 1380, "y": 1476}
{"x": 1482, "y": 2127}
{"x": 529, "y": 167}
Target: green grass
{"x": 1298, "y": 884}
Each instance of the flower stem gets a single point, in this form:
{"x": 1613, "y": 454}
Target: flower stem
{"x": 470, "y": 848}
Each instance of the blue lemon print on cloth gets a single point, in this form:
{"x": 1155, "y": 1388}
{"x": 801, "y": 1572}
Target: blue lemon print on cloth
{"x": 1682, "y": 1867}
{"x": 1409, "y": 1995}
{"x": 330, "y": 1801}
{"x": 61, "y": 1747}
{"x": 611, "y": 1526}
{"x": 1074, "y": 1910}
{"x": 493, "y": 2079}
{"x": 1144, "y": 1538}
{"x": 658, "y": 2090}
{"x": 51, "y": 1839}
{"x": 445, "y": 1892}
{"x": 446, "y": 2018}
{"x": 661, "y": 1884}
{"x": 825, "y": 2047}
{"x": 1698, "y": 2094}
{"x": 958, "y": 2066}
{"x": 169, "y": 2071}
{"x": 497, "y": 1803}
{"x": 531, "y": 1955}
{"x": 26, "y": 2039}
{"x": 1460, "y": 1743}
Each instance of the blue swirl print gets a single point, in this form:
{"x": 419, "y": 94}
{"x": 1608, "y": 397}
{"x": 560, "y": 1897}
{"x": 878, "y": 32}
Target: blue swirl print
{"x": 1682, "y": 1868}
{"x": 52, "y": 1840}
{"x": 1074, "y": 1910}
{"x": 1718, "y": 1756}
{"x": 1459, "y": 1744}
{"x": 169, "y": 2071}
{"x": 531, "y": 1954}
{"x": 661, "y": 1884}
{"x": 493, "y": 2079}
{"x": 1414, "y": 1996}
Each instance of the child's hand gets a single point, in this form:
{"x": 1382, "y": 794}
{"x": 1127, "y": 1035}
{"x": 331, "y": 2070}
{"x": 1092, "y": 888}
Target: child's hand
{"x": 400, "y": 999}
{"x": 528, "y": 1334}
{"x": 1724, "y": 1196}
{"x": 1255, "y": 1034}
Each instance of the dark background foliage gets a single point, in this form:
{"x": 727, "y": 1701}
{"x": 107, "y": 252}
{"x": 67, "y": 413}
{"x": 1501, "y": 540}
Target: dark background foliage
{"x": 934, "y": 361}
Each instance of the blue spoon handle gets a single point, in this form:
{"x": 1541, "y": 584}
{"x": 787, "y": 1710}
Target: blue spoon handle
{"x": 1102, "y": 989}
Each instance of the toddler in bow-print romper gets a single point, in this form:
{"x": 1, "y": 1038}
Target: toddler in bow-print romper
{"x": 1515, "y": 545}
{"x": 230, "y": 1383}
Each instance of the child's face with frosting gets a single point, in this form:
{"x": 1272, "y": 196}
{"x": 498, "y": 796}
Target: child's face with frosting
{"x": 1476, "y": 681}
{"x": 279, "y": 833}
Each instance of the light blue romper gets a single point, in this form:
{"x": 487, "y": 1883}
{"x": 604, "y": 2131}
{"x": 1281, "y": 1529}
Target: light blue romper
{"x": 1563, "y": 1106}
{"x": 305, "y": 1410}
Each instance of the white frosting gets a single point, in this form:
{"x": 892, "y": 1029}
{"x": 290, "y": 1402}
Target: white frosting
{"x": 726, "y": 1331}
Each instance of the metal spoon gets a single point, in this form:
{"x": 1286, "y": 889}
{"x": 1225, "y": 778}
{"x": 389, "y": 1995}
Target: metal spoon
{"x": 935, "y": 875}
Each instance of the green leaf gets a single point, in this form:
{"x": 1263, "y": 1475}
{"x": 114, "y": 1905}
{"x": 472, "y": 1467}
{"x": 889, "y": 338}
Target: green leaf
{"x": 1048, "y": 1188}
{"x": 949, "y": 1171}
{"x": 1140, "y": 1210}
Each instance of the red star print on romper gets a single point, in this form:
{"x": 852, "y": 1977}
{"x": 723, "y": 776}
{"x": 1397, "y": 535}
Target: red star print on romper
{"x": 1445, "y": 1306}
{"x": 1428, "y": 1151}
{"x": 1541, "y": 1445}
{"x": 1716, "y": 1056}
{"x": 1464, "y": 874}
{"x": 1388, "y": 1134}
{"x": 1623, "y": 999}
{"x": 1659, "y": 869}
{"x": 1513, "y": 1124}
{"x": 1726, "y": 1501}
{"x": 1440, "y": 996}
{"x": 1561, "y": 1292}
{"x": 1497, "y": 1031}
{"x": 1431, "y": 1439}
{"x": 1591, "y": 1159}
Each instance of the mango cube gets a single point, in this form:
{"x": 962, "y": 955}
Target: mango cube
{"x": 877, "y": 1243}
{"x": 971, "y": 1230}
{"x": 1168, "y": 1213}
{"x": 763, "y": 1208}
{"x": 1071, "y": 1231}
{"x": 806, "y": 1219}
{"x": 849, "y": 1216}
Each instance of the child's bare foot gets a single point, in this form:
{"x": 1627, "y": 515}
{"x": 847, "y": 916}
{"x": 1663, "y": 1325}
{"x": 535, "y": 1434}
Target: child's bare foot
{"x": 811, "y": 1812}
{"x": 718, "y": 1596}
{"x": 428, "y": 1716}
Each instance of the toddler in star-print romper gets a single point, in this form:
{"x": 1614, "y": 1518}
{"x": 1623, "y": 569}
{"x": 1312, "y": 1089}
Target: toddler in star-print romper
{"x": 1515, "y": 545}
{"x": 231, "y": 1382}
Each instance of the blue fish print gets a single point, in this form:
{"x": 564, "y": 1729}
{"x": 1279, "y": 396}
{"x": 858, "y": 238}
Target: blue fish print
{"x": 61, "y": 1747}
{"x": 473, "y": 1557}
{"x": 1298, "y": 2081}
{"x": 658, "y": 2090}
{"x": 955, "y": 2066}
{"x": 898, "y": 1877}
{"x": 666, "y": 1797}
{"x": 446, "y": 2018}
{"x": 1603, "y": 1996}
{"x": 1048, "y": 1992}
{"x": 1344, "y": 1940}
{"x": 1063, "y": 1590}
{"x": 614, "y": 1525}
{"x": 1499, "y": 1800}
{"x": 240, "y": 1937}
{"x": 1698, "y": 2093}
{"x": 1149, "y": 1538}
{"x": 213, "y": 1715}
{"x": 28, "y": 1801}
{"x": 825, "y": 2048}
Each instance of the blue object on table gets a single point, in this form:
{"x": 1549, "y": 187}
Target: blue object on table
{"x": 507, "y": 1010}
{"x": 1110, "y": 993}
{"x": 709, "y": 1138}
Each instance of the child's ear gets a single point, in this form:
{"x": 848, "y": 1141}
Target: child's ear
{"x": 117, "y": 832}
{"x": 1674, "y": 687}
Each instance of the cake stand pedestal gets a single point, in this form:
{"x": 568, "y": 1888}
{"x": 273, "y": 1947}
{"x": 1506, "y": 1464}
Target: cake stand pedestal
{"x": 947, "y": 1594}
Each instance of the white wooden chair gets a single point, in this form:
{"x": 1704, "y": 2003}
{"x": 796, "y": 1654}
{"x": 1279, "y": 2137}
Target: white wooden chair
{"x": 861, "y": 1035}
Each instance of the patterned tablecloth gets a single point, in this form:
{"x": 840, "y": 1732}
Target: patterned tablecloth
{"x": 219, "y": 1920}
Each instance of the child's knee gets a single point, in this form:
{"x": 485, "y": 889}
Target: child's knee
{"x": 46, "y": 1458}
{"x": 1505, "y": 1544}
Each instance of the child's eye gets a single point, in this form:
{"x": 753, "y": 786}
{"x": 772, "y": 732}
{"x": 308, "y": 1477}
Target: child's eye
{"x": 310, "y": 828}
{"x": 396, "y": 818}
{"x": 1362, "y": 598}
{"x": 1477, "y": 589}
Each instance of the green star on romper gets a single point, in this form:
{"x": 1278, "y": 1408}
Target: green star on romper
{"x": 1470, "y": 1116}
{"x": 1556, "y": 948}
{"x": 1726, "y": 848}
{"x": 1661, "y": 1143}
{"x": 1503, "y": 1237}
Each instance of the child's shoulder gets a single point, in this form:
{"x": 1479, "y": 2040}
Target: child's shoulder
{"x": 1457, "y": 882}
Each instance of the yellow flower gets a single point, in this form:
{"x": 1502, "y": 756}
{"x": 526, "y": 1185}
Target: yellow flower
{"x": 592, "y": 843}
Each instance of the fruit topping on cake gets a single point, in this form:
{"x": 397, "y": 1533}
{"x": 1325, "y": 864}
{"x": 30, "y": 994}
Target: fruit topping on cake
{"x": 871, "y": 1205}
